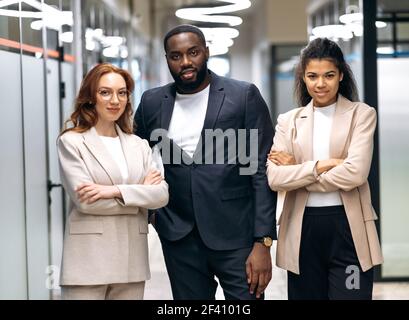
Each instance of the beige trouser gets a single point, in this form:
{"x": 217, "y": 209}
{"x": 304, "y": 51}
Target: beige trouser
{"x": 121, "y": 291}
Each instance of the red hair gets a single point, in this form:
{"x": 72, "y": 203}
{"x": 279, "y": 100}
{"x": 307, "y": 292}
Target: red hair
{"x": 85, "y": 115}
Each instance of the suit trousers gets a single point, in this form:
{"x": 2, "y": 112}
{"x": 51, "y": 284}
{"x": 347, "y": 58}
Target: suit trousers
{"x": 120, "y": 291}
{"x": 192, "y": 268}
{"x": 329, "y": 266}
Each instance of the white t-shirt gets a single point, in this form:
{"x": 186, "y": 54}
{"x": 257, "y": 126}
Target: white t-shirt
{"x": 115, "y": 149}
{"x": 323, "y": 118}
{"x": 188, "y": 118}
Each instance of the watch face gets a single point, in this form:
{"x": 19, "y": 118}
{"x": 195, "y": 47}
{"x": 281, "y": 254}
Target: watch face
{"x": 268, "y": 242}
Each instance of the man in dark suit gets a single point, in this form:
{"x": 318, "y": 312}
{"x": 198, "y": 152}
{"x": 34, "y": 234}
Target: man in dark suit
{"x": 220, "y": 220}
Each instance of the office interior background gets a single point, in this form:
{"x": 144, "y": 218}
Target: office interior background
{"x": 46, "y": 46}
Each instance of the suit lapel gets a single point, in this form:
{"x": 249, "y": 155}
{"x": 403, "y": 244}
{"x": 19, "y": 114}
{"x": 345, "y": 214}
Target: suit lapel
{"x": 216, "y": 98}
{"x": 95, "y": 145}
{"x": 167, "y": 106}
{"x": 341, "y": 127}
{"x": 304, "y": 125}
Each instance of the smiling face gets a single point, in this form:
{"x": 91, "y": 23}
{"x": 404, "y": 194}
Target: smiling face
{"x": 111, "y": 97}
{"x": 322, "y": 79}
{"x": 187, "y": 58}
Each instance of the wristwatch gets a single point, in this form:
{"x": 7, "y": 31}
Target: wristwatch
{"x": 266, "y": 241}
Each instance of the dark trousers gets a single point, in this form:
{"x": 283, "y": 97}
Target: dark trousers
{"x": 329, "y": 266}
{"x": 192, "y": 268}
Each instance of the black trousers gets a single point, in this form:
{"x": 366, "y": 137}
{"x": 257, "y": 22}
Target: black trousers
{"x": 192, "y": 268}
{"x": 329, "y": 266}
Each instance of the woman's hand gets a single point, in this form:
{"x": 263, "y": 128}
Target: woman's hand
{"x": 281, "y": 158}
{"x": 326, "y": 165}
{"x": 90, "y": 192}
{"x": 153, "y": 177}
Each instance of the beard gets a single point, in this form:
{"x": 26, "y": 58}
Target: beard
{"x": 190, "y": 86}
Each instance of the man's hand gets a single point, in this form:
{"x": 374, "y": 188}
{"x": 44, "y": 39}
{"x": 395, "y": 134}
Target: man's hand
{"x": 153, "y": 177}
{"x": 281, "y": 158}
{"x": 90, "y": 192}
{"x": 258, "y": 269}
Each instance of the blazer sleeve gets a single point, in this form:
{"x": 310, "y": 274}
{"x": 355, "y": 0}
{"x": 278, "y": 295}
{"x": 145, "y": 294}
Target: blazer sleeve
{"x": 145, "y": 196}
{"x": 74, "y": 173}
{"x": 288, "y": 178}
{"x": 257, "y": 117}
{"x": 139, "y": 121}
{"x": 355, "y": 169}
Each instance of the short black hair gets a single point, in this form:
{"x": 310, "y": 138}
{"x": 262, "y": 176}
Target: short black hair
{"x": 183, "y": 29}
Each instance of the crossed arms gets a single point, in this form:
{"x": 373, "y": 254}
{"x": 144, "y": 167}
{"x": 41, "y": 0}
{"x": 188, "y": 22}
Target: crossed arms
{"x": 326, "y": 175}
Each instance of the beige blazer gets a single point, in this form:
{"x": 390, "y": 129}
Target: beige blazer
{"x": 106, "y": 242}
{"x": 351, "y": 139}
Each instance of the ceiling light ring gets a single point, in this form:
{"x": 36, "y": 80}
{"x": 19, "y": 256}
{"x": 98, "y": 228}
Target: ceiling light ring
{"x": 218, "y": 41}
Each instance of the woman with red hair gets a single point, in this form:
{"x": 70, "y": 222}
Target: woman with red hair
{"x": 109, "y": 176}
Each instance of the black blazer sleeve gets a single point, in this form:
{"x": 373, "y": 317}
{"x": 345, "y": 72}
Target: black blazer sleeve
{"x": 139, "y": 121}
{"x": 257, "y": 117}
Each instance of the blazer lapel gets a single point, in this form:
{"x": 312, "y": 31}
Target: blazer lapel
{"x": 168, "y": 104}
{"x": 341, "y": 127}
{"x": 97, "y": 148}
{"x": 216, "y": 98}
{"x": 304, "y": 126}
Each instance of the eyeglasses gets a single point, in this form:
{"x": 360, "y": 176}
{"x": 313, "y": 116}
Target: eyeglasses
{"x": 107, "y": 94}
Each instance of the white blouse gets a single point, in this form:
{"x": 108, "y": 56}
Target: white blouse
{"x": 115, "y": 149}
{"x": 323, "y": 118}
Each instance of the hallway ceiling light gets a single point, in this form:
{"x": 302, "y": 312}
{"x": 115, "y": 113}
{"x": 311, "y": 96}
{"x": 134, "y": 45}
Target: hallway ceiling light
{"x": 92, "y": 37}
{"x": 52, "y": 17}
{"x": 116, "y": 52}
{"x": 356, "y": 28}
{"x": 385, "y": 50}
{"x": 212, "y": 33}
{"x": 214, "y": 14}
{"x": 113, "y": 46}
{"x": 334, "y": 31}
{"x": 354, "y": 21}
{"x": 351, "y": 18}
{"x": 381, "y": 24}
{"x": 112, "y": 41}
{"x": 219, "y": 39}
{"x": 23, "y": 14}
{"x": 67, "y": 37}
{"x": 220, "y": 46}
{"x": 54, "y": 21}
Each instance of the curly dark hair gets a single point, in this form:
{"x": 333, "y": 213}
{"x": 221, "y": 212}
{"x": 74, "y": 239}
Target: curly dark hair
{"x": 323, "y": 48}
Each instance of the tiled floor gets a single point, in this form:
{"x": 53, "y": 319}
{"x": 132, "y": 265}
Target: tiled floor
{"x": 158, "y": 288}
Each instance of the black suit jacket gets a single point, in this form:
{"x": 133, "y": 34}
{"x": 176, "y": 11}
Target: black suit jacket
{"x": 229, "y": 209}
